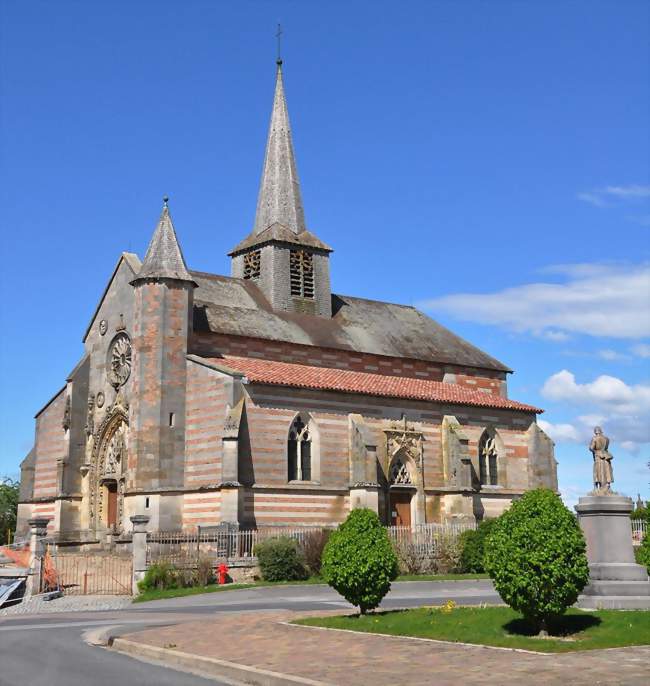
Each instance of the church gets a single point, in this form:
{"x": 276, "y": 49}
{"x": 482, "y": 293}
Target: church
{"x": 265, "y": 399}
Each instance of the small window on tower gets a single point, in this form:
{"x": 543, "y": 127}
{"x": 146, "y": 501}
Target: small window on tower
{"x": 252, "y": 265}
{"x": 301, "y": 268}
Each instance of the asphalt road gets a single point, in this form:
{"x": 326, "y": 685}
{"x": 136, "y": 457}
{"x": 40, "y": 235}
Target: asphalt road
{"x": 51, "y": 650}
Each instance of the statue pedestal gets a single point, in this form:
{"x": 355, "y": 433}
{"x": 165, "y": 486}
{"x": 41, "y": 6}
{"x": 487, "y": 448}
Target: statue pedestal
{"x": 615, "y": 581}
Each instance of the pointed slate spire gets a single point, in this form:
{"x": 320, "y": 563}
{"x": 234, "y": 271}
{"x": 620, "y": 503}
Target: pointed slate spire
{"x": 164, "y": 258}
{"x": 279, "y": 200}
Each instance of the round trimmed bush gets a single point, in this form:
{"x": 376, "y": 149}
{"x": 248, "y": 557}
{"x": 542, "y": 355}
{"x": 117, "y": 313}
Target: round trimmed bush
{"x": 473, "y": 547}
{"x": 535, "y": 554}
{"x": 280, "y": 560}
{"x": 359, "y": 561}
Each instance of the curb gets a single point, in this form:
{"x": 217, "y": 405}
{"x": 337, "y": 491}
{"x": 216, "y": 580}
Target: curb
{"x": 209, "y": 666}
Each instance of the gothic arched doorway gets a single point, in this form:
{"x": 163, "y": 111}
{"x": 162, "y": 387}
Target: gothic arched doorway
{"x": 401, "y": 492}
{"x": 108, "y": 472}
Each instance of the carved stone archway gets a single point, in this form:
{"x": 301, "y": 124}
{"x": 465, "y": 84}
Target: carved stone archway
{"x": 108, "y": 469}
{"x": 404, "y": 469}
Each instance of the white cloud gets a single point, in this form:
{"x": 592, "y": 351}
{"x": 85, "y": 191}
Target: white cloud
{"x": 595, "y": 299}
{"x": 605, "y": 391}
{"x": 561, "y": 433}
{"x": 622, "y": 410}
{"x": 641, "y": 350}
{"x": 602, "y": 197}
{"x": 611, "y": 355}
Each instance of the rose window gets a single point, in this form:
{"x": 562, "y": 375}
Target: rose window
{"x": 119, "y": 360}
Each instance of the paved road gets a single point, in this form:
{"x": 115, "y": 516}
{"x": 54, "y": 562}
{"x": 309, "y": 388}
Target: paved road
{"x": 49, "y": 650}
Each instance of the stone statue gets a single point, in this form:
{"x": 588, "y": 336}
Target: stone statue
{"x": 603, "y": 474}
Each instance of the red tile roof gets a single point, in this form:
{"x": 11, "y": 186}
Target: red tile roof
{"x": 346, "y": 381}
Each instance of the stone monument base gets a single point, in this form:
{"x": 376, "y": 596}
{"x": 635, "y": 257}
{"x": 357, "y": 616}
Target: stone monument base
{"x": 616, "y": 582}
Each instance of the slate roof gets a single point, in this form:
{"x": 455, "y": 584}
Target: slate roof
{"x": 238, "y": 307}
{"x": 280, "y": 215}
{"x": 279, "y": 199}
{"x": 271, "y": 372}
{"x": 164, "y": 258}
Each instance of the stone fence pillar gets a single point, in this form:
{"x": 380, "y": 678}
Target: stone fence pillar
{"x": 37, "y": 533}
{"x": 139, "y": 549}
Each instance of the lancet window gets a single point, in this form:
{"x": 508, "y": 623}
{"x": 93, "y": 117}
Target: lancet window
{"x": 488, "y": 459}
{"x": 299, "y": 451}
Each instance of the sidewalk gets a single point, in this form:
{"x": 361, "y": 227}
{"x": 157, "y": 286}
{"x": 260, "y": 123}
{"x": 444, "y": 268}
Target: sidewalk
{"x": 261, "y": 648}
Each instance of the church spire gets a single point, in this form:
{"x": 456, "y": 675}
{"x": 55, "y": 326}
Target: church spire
{"x": 279, "y": 200}
{"x": 164, "y": 258}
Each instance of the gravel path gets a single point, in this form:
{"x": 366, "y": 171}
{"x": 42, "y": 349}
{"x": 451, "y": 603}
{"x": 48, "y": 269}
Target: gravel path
{"x": 79, "y": 603}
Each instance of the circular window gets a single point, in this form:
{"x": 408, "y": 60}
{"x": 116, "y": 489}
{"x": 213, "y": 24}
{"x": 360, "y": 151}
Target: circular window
{"x": 119, "y": 360}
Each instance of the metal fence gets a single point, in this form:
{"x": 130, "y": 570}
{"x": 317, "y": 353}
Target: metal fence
{"x": 86, "y": 573}
{"x": 428, "y": 538}
{"x": 639, "y": 529}
{"x": 217, "y": 543}
{"x": 221, "y": 543}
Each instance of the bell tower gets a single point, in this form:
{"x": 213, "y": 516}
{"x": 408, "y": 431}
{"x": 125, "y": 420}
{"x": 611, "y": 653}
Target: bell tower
{"x": 288, "y": 262}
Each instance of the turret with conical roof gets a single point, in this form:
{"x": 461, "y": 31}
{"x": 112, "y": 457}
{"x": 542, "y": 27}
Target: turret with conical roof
{"x": 163, "y": 307}
{"x": 164, "y": 258}
{"x": 288, "y": 262}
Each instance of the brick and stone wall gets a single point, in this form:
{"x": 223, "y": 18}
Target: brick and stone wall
{"x": 50, "y": 446}
{"x": 295, "y": 507}
{"x": 205, "y": 413}
{"x": 270, "y": 411}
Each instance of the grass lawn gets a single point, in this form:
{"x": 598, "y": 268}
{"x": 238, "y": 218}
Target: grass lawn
{"x": 214, "y": 588}
{"x": 501, "y": 626}
{"x": 440, "y": 577}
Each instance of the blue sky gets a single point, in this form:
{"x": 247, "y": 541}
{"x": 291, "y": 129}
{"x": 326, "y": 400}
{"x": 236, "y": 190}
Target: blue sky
{"x": 488, "y": 161}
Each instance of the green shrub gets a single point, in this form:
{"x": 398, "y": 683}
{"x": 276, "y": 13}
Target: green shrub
{"x": 160, "y": 576}
{"x": 535, "y": 555}
{"x": 280, "y": 560}
{"x": 473, "y": 547}
{"x": 359, "y": 561}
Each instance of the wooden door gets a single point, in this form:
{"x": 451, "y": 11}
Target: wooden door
{"x": 400, "y": 509}
{"x": 111, "y": 502}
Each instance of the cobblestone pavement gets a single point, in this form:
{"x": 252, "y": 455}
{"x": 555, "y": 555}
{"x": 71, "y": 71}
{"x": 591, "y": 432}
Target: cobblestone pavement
{"x": 78, "y": 603}
{"x": 263, "y": 641}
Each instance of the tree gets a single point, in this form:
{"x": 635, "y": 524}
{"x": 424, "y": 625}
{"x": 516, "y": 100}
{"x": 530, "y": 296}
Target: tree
{"x": 359, "y": 561}
{"x": 9, "y": 490}
{"x": 536, "y": 557}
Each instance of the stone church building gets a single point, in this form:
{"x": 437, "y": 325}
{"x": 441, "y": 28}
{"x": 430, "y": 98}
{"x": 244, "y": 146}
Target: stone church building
{"x": 263, "y": 398}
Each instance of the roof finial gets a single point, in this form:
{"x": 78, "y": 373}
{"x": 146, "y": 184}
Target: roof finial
{"x": 165, "y": 200}
{"x": 278, "y": 35}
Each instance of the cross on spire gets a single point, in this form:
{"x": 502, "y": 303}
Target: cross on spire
{"x": 278, "y": 35}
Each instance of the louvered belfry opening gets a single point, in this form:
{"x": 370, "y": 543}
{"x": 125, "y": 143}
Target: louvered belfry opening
{"x": 301, "y": 268}
{"x": 252, "y": 264}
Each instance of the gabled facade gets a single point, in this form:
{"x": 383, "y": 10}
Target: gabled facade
{"x": 265, "y": 399}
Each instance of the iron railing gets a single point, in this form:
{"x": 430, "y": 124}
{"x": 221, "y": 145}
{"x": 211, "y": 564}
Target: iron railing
{"x": 639, "y": 529}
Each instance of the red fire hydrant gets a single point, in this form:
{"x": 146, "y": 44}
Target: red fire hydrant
{"x": 222, "y": 573}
